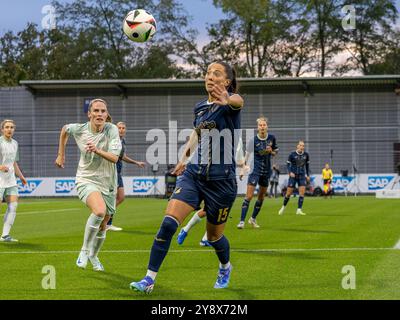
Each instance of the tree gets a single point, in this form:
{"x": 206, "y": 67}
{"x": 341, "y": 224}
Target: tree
{"x": 101, "y": 22}
{"x": 389, "y": 63}
{"x": 265, "y": 31}
{"x": 325, "y": 19}
{"x": 370, "y": 39}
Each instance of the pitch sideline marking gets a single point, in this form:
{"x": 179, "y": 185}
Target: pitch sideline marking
{"x": 209, "y": 250}
{"x": 42, "y": 211}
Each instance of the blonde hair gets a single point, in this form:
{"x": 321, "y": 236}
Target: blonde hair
{"x": 260, "y": 119}
{"x": 5, "y": 121}
{"x": 109, "y": 118}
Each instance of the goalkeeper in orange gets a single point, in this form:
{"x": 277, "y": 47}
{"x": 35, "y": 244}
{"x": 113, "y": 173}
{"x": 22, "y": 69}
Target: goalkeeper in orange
{"x": 327, "y": 176}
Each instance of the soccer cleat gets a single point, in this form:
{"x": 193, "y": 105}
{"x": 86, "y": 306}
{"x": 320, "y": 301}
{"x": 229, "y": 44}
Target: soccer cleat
{"x": 281, "y": 210}
{"x": 223, "y": 278}
{"x": 240, "y": 225}
{"x": 181, "y": 236}
{"x": 253, "y": 222}
{"x": 82, "y": 260}
{"x": 113, "y": 228}
{"x": 204, "y": 243}
{"x": 97, "y": 266}
{"x": 146, "y": 285}
{"x": 300, "y": 212}
{"x": 8, "y": 238}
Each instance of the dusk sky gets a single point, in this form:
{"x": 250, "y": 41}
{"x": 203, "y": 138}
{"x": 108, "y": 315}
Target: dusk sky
{"x": 15, "y": 14}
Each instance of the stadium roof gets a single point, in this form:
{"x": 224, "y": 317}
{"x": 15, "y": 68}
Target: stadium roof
{"x": 123, "y": 85}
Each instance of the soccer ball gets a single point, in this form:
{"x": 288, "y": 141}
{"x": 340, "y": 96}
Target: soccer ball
{"x": 139, "y": 25}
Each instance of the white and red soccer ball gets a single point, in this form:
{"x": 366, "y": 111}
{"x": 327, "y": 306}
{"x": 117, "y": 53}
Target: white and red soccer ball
{"x": 139, "y": 25}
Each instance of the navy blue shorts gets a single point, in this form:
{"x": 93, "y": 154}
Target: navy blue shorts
{"x": 299, "y": 179}
{"x": 218, "y": 195}
{"x": 120, "y": 181}
{"x": 261, "y": 180}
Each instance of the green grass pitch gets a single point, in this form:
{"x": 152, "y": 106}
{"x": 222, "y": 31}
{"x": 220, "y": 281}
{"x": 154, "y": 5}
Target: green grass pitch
{"x": 289, "y": 257}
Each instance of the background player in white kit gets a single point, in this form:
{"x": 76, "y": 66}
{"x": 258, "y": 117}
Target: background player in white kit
{"x": 96, "y": 177}
{"x": 8, "y": 169}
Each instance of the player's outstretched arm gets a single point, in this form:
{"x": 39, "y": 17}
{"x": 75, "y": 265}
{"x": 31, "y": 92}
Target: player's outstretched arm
{"x": 60, "y": 161}
{"x": 140, "y": 164}
{"x": 19, "y": 173}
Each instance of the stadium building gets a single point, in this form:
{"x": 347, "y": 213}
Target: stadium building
{"x": 351, "y": 122}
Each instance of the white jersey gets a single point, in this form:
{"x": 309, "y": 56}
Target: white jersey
{"x": 8, "y": 156}
{"x": 92, "y": 168}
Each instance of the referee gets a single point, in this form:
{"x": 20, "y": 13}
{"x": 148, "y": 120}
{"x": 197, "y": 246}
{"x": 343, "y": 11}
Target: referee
{"x": 327, "y": 176}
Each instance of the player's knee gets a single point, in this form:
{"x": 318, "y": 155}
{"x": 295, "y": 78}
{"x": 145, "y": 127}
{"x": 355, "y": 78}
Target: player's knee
{"x": 212, "y": 237}
{"x": 168, "y": 228}
{"x": 100, "y": 211}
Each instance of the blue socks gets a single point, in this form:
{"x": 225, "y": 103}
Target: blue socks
{"x": 285, "y": 201}
{"x": 222, "y": 249}
{"x": 301, "y": 200}
{"x": 162, "y": 242}
{"x": 257, "y": 208}
{"x": 245, "y": 208}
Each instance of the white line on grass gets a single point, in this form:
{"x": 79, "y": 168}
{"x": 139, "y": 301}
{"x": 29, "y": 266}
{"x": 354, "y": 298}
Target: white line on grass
{"x": 43, "y": 211}
{"x": 205, "y": 250}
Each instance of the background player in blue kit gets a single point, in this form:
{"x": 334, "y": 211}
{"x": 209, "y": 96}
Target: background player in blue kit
{"x": 299, "y": 172}
{"x": 205, "y": 178}
{"x": 263, "y": 146}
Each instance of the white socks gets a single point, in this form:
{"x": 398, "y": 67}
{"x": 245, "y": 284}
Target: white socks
{"x": 91, "y": 230}
{"x": 195, "y": 220}
{"x": 97, "y": 243}
{"x": 205, "y": 237}
{"x": 9, "y": 218}
{"x": 151, "y": 274}
{"x": 225, "y": 266}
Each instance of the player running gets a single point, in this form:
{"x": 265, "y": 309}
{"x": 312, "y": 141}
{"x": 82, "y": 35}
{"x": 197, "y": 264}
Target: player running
{"x": 122, "y": 157}
{"x": 96, "y": 177}
{"x": 264, "y": 147}
{"x": 204, "y": 179}
{"x": 298, "y": 166}
{"x": 9, "y": 155}
{"x": 199, "y": 215}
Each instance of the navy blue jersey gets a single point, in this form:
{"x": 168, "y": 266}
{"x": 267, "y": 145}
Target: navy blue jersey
{"x": 298, "y": 163}
{"x": 210, "y": 160}
{"x": 262, "y": 159}
{"x": 121, "y": 155}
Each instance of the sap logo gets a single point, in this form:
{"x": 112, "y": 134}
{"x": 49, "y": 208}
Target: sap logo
{"x": 341, "y": 183}
{"x": 143, "y": 185}
{"x": 378, "y": 182}
{"x": 64, "y": 186}
{"x": 29, "y": 187}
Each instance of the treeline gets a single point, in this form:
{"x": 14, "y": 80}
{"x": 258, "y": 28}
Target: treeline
{"x": 262, "y": 38}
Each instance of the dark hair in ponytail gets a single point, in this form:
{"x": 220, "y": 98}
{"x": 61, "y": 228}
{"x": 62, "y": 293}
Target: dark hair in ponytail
{"x": 231, "y": 75}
